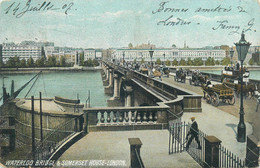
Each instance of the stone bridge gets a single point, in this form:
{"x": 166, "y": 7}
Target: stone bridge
{"x": 138, "y": 102}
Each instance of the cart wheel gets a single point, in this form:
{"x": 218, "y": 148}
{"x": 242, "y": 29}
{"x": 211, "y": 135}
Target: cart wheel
{"x": 215, "y": 99}
{"x": 246, "y": 94}
{"x": 208, "y": 99}
{"x": 190, "y": 81}
{"x": 232, "y": 100}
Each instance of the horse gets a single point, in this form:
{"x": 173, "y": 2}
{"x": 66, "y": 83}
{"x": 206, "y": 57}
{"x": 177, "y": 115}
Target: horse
{"x": 198, "y": 78}
{"x": 250, "y": 88}
{"x": 202, "y": 79}
{"x": 180, "y": 74}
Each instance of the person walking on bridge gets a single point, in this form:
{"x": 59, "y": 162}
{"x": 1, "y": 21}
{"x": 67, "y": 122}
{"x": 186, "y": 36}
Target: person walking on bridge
{"x": 194, "y": 133}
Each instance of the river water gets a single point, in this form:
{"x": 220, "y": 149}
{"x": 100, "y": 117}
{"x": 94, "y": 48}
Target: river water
{"x": 253, "y": 74}
{"x": 63, "y": 84}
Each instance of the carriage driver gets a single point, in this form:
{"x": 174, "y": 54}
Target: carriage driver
{"x": 208, "y": 83}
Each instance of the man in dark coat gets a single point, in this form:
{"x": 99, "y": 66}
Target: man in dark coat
{"x": 194, "y": 133}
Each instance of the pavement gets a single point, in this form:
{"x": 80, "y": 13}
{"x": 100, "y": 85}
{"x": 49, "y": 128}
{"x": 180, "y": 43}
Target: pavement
{"x": 114, "y": 146}
{"x": 219, "y": 121}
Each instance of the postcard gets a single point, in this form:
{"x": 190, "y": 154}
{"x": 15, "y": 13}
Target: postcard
{"x": 129, "y": 83}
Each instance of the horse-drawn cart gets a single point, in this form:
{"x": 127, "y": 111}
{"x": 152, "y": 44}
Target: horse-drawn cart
{"x": 197, "y": 78}
{"x": 180, "y": 76}
{"x": 216, "y": 92}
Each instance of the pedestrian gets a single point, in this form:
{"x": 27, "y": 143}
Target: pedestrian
{"x": 258, "y": 102}
{"x": 194, "y": 134}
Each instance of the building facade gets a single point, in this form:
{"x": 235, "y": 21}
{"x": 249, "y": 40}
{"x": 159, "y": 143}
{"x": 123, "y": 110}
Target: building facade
{"x": 21, "y": 51}
{"x": 167, "y": 54}
{"x": 35, "y": 50}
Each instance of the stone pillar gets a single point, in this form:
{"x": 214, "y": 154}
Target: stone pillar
{"x": 110, "y": 77}
{"x": 107, "y": 74}
{"x": 135, "y": 144}
{"x": 252, "y": 151}
{"x": 128, "y": 90}
{"x": 162, "y": 117}
{"x": 212, "y": 145}
{"x": 109, "y": 87}
{"x": 116, "y": 86}
{"x": 91, "y": 120}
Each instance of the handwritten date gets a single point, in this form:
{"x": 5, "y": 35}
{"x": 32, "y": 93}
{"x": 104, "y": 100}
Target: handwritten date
{"x": 19, "y": 9}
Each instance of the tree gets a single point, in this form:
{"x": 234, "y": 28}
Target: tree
{"x": 197, "y": 62}
{"x": 182, "y": 62}
{"x": 30, "y": 62}
{"x": 168, "y": 63}
{"x": 173, "y": 45}
{"x": 130, "y": 45}
{"x": 135, "y": 60}
{"x": 158, "y": 61}
{"x": 52, "y": 62}
{"x": 225, "y": 61}
{"x": 89, "y": 63}
{"x": 62, "y": 61}
{"x": 217, "y": 62}
{"x": 251, "y": 62}
{"x": 40, "y": 62}
{"x": 10, "y": 63}
{"x": 95, "y": 62}
{"x": 81, "y": 58}
{"x": 1, "y": 64}
{"x": 142, "y": 61}
{"x": 17, "y": 62}
{"x": 175, "y": 62}
{"x": 189, "y": 62}
{"x": 210, "y": 62}
{"x": 23, "y": 63}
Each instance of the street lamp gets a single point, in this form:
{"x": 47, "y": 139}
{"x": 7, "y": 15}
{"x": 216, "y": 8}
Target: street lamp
{"x": 242, "y": 48}
{"x": 164, "y": 58}
{"x": 151, "y": 55}
{"x": 123, "y": 58}
{"x": 231, "y": 52}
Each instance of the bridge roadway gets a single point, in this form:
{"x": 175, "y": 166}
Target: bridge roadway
{"x": 249, "y": 105}
{"x": 218, "y": 121}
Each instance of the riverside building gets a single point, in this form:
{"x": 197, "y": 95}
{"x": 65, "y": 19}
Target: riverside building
{"x": 21, "y": 51}
{"x": 168, "y": 54}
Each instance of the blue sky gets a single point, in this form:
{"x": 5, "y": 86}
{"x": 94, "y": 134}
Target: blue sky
{"x": 116, "y": 23}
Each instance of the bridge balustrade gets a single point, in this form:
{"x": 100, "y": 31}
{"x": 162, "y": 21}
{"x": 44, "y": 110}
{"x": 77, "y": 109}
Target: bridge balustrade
{"x": 111, "y": 118}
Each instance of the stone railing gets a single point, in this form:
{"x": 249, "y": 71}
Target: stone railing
{"x": 126, "y": 118}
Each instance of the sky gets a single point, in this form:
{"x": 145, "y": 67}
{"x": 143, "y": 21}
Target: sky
{"x": 116, "y": 23}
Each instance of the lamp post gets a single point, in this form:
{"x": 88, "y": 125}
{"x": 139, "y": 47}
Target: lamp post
{"x": 164, "y": 58}
{"x": 151, "y": 55}
{"x": 231, "y": 53}
{"x": 123, "y": 58}
{"x": 242, "y": 48}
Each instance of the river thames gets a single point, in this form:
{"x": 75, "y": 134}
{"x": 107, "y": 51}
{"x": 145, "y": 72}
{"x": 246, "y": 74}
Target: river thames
{"x": 63, "y": 84}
